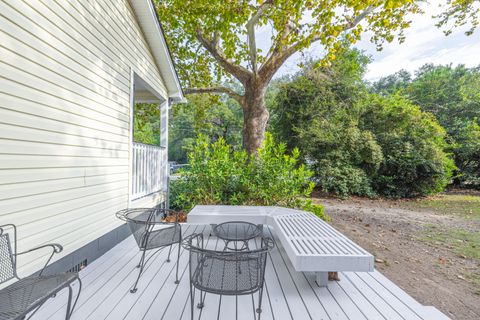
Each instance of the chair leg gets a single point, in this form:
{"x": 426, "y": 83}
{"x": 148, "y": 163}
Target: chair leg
{"x": 201, "y": 304}
{"x": 69, "y": 304}
{"x": 78, "y": 295}
{"x": 142, "y": 259}
{"x": 192, "y": 299}
{"x": 140, "y": 265}
{"x": 178, "y": 262}
{"x": 259, "y": 309}
{"x": 169, "y": 251}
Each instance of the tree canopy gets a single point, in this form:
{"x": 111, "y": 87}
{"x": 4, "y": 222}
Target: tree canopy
{"x": 215, "y": 40}
{"x": 458, "y": 13}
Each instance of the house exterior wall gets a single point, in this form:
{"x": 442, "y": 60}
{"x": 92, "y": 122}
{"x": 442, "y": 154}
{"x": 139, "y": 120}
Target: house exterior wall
{"x": 65, "y": 82}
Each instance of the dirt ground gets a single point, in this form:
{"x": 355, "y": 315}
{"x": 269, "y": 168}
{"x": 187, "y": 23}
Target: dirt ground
{"x": 397, "y": 233}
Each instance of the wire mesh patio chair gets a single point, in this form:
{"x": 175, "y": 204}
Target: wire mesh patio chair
{"x": 151, "y": 231}
{"x": 218, "y": 272}
{"x": 28, "y": 294}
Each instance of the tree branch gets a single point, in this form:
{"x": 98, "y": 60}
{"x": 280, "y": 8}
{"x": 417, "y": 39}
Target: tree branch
{"x": 360, "y": 17}
{"x": 238, "y": 97}
{"x": 239, "y": 72}
{"x": 251, "y": 33}
{"x": 278, "y": 57}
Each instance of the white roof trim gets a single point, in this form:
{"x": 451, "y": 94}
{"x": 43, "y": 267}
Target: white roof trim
{"x": 152, "y": 30}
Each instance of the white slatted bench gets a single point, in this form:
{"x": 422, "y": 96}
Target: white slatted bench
{"x": 311, "y": 244}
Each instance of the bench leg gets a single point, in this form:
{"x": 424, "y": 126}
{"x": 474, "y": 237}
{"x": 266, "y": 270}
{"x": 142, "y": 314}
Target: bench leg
{"x": 321, "y": 278}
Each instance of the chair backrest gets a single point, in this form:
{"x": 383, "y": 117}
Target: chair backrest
{"x": 227, "y": 272}
{"x": 141, "y": 222}
{"x": 7, "y": 258}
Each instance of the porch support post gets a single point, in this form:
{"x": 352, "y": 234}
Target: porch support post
{"x": 164, "y": 143}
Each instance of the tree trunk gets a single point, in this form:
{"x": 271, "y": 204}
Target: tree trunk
{"x": 255, "y": 118}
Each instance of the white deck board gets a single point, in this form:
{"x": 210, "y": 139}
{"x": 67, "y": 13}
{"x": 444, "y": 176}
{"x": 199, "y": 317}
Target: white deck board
{"x": 288, "y": 294}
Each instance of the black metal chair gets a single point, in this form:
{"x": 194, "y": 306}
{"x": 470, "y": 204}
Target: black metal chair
{"x": 28, "y": 294}
{"x": 151, "y": 231}
{"x": 219, "y": 272}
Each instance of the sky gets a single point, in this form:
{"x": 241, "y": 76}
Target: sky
{"x": 425, "y": 43}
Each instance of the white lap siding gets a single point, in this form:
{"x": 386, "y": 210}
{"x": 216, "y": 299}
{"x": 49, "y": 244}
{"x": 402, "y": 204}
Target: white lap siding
{"x": 65, "y": 73}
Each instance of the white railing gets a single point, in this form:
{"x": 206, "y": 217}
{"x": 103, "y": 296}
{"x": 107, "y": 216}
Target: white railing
{"x": 149, "y": 170}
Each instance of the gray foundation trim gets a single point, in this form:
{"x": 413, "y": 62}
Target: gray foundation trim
{"x": 90, "y": 251}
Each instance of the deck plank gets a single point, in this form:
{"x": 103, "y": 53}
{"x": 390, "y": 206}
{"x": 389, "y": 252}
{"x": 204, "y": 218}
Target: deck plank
{"x": 165, "y": 297}
{"x": 373, "y": 297}
{"x": 392, "y": 300}
{"x": 288, "y": 294}
{"x": 153, "y": 277}
{"x": 314, "y": 306}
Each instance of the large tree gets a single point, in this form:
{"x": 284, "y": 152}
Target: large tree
{"x": 215, "y": 40}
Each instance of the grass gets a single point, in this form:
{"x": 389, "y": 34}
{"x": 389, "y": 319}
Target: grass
{"x": 465, "y": 206}
{"x": 475, "y": 278}
{"x": 463, "y": 242}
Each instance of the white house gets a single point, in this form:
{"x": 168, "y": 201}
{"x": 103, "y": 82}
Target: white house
{"x": 70, "y": 75}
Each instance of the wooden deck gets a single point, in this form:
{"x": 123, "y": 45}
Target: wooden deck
{"x": 288, "y": 294}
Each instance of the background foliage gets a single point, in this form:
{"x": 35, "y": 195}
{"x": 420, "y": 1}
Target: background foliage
{"x": 395, "y": 137}
{"x": 146, "y": 123}
{"x": 452, "y": 95}
{"x": 198, "y": 117}
{"x": 358, "y": 142}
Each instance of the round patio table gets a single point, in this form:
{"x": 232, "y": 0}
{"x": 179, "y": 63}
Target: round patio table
{"x": 235, "y": 232}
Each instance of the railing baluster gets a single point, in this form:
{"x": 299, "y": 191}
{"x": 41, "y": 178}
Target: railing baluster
{"x": 148, "y": 167}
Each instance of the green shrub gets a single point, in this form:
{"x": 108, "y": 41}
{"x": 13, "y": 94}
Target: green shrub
{"x": 220, "y": 175}
{"x": 413, "y": 143}
{"x": 358, "y": 143}
{"x": 467, "y": 154}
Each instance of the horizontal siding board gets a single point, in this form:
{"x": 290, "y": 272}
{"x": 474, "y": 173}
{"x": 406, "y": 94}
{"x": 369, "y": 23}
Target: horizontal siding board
{"x": 74, "y": 215}
{"x": 73, "y": 82}
{"x": 71, "y": 242}
{"x": 35, "y": 215}
{"x": 48, "y": 149}
{"x": 93, "y": 10}
{"x": 29, "y": 93}
{"x": 65, "y": 118}
{"x": 14, "y": 161}
{"x": 31, "y": 46}
{"x": 15, "y": 23}
{"x": 77, "y": 32}
{"x": 136, "y": 39}
{"x": 61, "y": 226}
{"x": 24, "y": 15}
{"x": 10, "y": 191}
{"x": 40, "y": 85}
{"x": 7, "y": 207}
{"x": 25, "y": 134}
{"x": 25, "y": 113}
{"x": 46, "y": 174}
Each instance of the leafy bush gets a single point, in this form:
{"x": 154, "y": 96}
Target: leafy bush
{"x": 220, "y": 175}
{"x": 357, "y": 142}
{"x": 467, "y": 154}
{"x": 452, "y": 95}
{"x": 413, "y": 143}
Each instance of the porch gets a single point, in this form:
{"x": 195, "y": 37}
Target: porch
{"x": 288, "y": 294}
